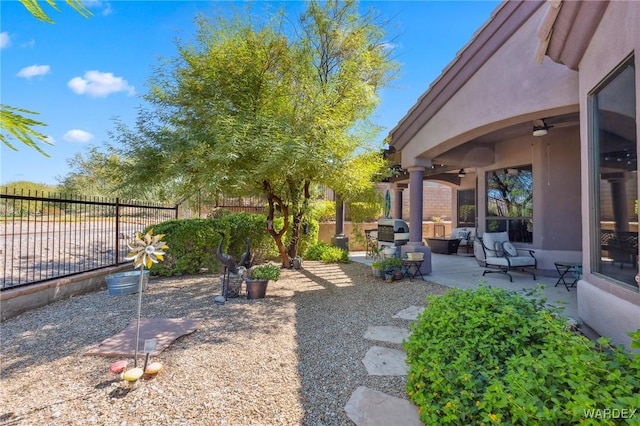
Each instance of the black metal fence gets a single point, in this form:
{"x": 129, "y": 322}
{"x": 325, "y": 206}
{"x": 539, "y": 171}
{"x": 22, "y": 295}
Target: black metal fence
{"x": 48, "y": 236}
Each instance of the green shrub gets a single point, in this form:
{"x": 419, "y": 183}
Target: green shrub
{"x": 493, "y": 357}
{"x": 311, "y": 236}
{"x": 314, "y": 252}
{"x": 326, "y": 254}
{"x": 268, "y": 272}
{"x": 253, "y": 226}
{"x": 323, "y": 210}
{"x": 335, "y": 255}
{"x": 193, "y": 242}
{"x": 192, "y": 245}
{"x": 391, "y": 263}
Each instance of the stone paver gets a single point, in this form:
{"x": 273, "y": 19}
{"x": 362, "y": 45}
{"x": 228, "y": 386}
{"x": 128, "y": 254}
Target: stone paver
{"x": 411, "y": 313}
{"x": 381, "y": 361}
{"x": 390, "y": 334}
{"x": 368, "y": 407}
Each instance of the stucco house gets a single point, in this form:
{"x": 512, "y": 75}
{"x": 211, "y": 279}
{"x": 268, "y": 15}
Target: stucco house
{"x": 534, "y": 125}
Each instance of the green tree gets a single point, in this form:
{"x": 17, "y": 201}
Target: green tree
{"x": 13, "y": 121}
{"x": 267, "y": 109}
{"x": 92, "y": 173}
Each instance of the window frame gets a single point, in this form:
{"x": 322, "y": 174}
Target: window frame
{"x": 526, "y": 221}
{"x": 594, "y": 180}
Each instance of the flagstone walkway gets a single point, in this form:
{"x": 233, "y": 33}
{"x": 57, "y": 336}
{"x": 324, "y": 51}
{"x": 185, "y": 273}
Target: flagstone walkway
{"x": 369, "y": 407}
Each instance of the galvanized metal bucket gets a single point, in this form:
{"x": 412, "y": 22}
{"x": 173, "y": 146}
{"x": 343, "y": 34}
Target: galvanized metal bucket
{"x": 126, "y": 282}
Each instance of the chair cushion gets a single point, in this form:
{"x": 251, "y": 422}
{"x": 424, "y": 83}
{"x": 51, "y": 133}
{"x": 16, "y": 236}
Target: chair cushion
{"x": 517, "y": 261}
{"x": 490, "y": 239}
{"x": 509, "y": 249}
{"x": 499, "y": 251}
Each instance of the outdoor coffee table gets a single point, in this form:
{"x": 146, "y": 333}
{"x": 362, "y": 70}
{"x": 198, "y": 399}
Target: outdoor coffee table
{"x": 565, "y": 268}
{"x": 443, "y": 245}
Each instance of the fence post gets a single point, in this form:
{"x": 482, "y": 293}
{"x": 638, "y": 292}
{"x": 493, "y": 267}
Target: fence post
{"x": 177, "y": 205}
{"x": 117, "y": 231}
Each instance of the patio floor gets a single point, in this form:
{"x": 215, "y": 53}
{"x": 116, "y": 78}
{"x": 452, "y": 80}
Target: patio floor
{"x": 464, "y": 272}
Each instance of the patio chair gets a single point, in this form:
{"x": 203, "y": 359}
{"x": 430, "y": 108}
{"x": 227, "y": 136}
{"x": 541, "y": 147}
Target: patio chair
{"x": 371, "y": 241}
{"x": 466, "y": 237}
{"x": 494, "y": 250}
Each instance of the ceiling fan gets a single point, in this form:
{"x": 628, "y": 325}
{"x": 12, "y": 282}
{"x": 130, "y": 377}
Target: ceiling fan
{"x": 540, "y": 128}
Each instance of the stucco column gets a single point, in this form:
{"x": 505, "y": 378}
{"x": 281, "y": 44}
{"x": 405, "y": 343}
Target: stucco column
{"x": 397, "y": 199}
{"x": 339, "y": 215}
{"x": 416, "y": 175}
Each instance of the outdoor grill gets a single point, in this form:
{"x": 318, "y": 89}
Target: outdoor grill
{"x": 392, "y": 232}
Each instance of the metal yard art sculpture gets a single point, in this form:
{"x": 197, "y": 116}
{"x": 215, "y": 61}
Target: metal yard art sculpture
{"x": 231, "y": 265}
{"x": 144, "y": 251}
{"x": 387, "y": 205}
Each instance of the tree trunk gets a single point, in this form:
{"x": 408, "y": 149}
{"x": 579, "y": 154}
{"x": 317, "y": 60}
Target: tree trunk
{"x": 295, "y": 235}
{"x": 298, "y": 217}
{"x": 277, "y": 235}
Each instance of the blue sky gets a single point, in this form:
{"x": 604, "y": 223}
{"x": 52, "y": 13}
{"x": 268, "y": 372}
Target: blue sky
{"x": 79, "y": 74}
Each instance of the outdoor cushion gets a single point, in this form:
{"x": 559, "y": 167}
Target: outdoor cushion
{"x": 509, "y": 249}
{"x": 495, "y": 251}
{"x": 490, "y": 239}
{"x": 516, "y": 261}
{"x": 465, "y": 235}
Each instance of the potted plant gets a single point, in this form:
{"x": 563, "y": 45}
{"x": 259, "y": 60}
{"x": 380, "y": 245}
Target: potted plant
{"x": 258, "y": 279}
{"x": 376, "y": 268}
{"x": 390, "y": 266}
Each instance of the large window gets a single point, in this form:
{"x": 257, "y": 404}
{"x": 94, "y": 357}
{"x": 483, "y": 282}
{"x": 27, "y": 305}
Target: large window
{"x": 510, "y": 202}
{"x": 467, "y": 208}
{"x": 615, "y": 181}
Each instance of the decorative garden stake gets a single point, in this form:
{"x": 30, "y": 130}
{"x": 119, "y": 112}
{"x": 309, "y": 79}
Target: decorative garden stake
{"x": 144, "y": 252}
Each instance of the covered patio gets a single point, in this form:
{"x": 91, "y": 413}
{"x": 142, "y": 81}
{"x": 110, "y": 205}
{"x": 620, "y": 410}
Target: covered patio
{"x": 464, "y": 272}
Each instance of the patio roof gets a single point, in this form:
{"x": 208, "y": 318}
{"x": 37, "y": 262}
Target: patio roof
{"x": 566, "y": 30}
{"x": 504, "y": 22}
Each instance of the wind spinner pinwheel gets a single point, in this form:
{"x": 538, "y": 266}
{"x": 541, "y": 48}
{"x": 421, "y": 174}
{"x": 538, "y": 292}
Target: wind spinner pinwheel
{"x": 144, "y": 251}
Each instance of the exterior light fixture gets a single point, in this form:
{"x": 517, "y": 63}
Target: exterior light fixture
{"x": 461, "y": 173}
{"x": 541, "y": 130}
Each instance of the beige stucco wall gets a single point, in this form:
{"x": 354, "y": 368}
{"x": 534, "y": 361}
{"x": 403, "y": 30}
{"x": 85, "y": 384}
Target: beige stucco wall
{"x": 609, "y": 308}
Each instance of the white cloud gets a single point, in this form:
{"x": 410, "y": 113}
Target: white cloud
{"x": 34, "y": 71}
{"x": 50, "y": 140}
{"x": 5, "y": 40}
{"x": 77, "y": 135}
{"x": 99, "y": 84}
{"x": 30, "y": 43}
{"x": 103, "y": 7}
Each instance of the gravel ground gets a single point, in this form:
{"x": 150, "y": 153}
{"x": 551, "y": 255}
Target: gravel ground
{"x": 293, "y": 358}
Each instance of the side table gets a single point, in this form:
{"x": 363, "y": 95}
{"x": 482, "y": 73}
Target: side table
{"x": 411, "y": 269}
{"x": 565, "y": 268}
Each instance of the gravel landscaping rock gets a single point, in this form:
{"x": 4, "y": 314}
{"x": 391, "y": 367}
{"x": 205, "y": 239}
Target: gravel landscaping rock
{"x": 293, "y": 358}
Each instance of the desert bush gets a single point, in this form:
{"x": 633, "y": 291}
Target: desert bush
{"x": 326, "y": 253}
{"x": 493, "y": 357}
{"x": 253, "y": 226}
{"x": 192, "y": 245}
